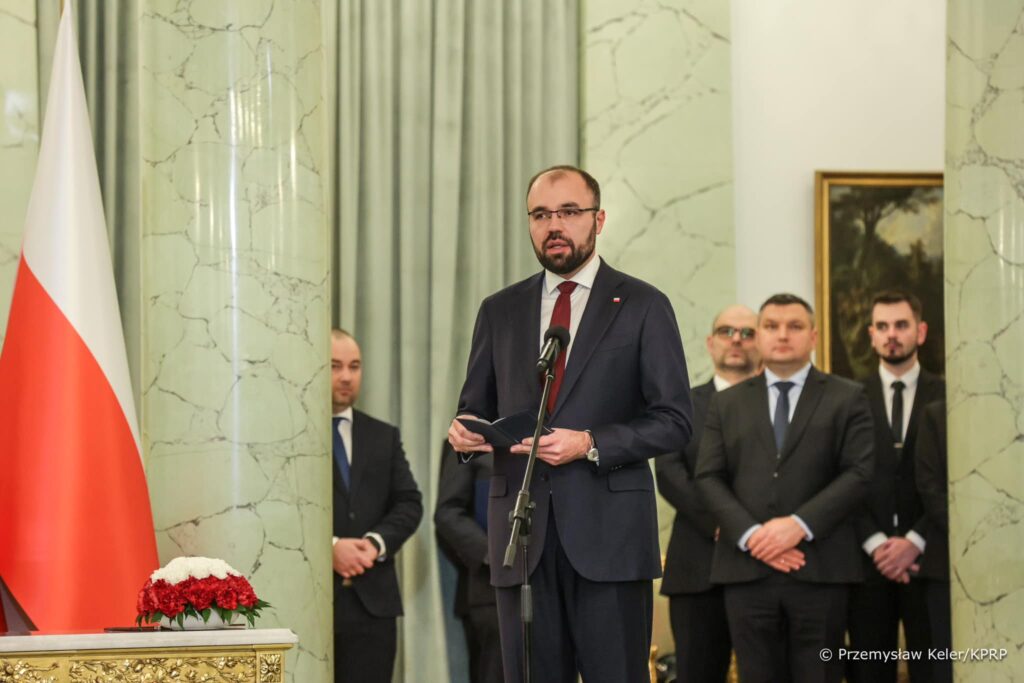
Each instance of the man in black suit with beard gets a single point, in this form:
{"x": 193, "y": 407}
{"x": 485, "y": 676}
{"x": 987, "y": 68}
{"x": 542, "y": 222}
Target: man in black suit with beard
{"x": 893, "y": 527}
{"x": 784, "y": 464}
{"x": 377, "y": 507}
{"x": 620, "y": 397}
{"x": 696, "y": 607}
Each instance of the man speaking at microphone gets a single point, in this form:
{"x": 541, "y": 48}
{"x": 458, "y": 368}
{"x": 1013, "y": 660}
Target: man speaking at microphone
{"x": 620, "y": 396}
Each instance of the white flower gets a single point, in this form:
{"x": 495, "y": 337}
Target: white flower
{"x": 181, "y": 568}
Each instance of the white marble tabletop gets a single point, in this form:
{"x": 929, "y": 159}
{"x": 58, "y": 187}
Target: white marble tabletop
{"x": 97, "y": 640}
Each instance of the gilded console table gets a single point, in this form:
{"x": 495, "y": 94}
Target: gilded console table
{"x": 225, "y": 656}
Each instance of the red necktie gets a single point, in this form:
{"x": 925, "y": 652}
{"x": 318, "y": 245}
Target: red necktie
{"x": 561, "y": 316}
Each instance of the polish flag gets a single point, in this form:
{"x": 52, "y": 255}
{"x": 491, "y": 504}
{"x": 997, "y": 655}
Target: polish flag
{"x": 76, "y": 529}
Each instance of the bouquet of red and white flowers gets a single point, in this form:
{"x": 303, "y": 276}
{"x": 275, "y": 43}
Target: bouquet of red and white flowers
{"x": 197, "y": 587}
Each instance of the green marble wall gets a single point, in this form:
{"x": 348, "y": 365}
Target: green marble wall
{"x": 19, "y": 135}
{"x": 657, "y": 133}
{"x": 985, "y": 330}
{"x": 235, "y": 269}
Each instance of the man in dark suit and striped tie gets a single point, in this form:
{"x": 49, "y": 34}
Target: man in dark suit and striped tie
{"x": 785, "y": 463}
{"x": 377, "y": 506}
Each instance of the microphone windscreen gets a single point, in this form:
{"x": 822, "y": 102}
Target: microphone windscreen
{"x": 558, "y": 332}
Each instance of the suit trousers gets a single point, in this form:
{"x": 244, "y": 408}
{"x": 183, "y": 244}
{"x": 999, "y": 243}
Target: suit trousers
{"x": 780, "y": 626}
{"x": 364, "y": 645}
{"x": 876, "y": 609}
{"x": 601, "y": 630}
{"x": 942, "y": 624}
{"x": 484, "y": 644}
{"x": 701, "y": 632}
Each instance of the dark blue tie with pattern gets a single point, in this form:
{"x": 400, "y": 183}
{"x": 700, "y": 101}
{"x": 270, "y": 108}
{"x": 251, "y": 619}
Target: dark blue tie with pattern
{"x": 781, "y": 422}
{"x": 340, "y": 455}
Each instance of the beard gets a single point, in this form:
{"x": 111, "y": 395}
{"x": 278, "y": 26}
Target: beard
{"x": 562, "y": 264}
{"x": 899, "y": 354}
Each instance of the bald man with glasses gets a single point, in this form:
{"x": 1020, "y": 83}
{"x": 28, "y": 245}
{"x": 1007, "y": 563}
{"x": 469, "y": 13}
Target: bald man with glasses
{"x": 696, "y": 606}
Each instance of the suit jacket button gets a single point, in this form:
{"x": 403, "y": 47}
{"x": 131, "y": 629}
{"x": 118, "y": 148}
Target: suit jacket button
{"x": 775, "y": 475}
{"x": 351, "y": 515}
{"x": 544, "y": 477}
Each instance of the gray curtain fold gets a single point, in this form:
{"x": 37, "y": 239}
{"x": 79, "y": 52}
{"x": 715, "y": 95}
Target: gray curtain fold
{"x": 441, "y": 112}
{"x": 108, "y": 49}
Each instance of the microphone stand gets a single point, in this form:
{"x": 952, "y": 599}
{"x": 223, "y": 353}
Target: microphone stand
{"x": 520, "y": 519}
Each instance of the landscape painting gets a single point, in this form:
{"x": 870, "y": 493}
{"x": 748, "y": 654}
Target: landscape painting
{"x": 876, "y": 231}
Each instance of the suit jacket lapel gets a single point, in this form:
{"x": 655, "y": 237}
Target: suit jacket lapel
{"x": 360, "y": 451}
{"x": 758, "y": 407}
{"x": 810, "y": 395}
{"x": 599, "y": 314}
{"x": 525, "y": 316}
{"x": 928, "y": 386}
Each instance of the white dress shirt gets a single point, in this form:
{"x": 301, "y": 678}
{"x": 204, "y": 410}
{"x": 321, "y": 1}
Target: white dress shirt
{"x": 909, "y": 380}
{"x": 345, "y": 429}
{"x": 799, "y": 378}
{"x": 584, "y": 280}
{"x": 721, "y": 383}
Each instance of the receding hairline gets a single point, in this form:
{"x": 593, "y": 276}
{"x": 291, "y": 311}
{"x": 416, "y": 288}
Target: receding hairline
{"x": 564, "y": 171}
{"x": 339, "y": 334}
{"x": 740, "y": 308}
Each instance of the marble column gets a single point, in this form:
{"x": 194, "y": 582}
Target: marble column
{"x": 656, "y": 132}
{"x": 985, "y": 330}
{"x": 235, "y": 248}
{"x": 19, "y": 135}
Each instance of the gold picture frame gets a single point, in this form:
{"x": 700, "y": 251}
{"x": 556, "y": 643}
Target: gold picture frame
{"x": 874, "y": 231}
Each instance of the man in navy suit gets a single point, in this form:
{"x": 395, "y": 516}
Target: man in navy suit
{"x": 377, "y": 507}
{"x": 696, "y": 607}
{"x": 784, "y": 465}
{"x": 621, "y": 396}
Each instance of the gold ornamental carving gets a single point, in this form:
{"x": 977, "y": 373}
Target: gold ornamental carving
{"x": 271, "y": 668}
{"x": 21, "y": 671}
{"x": 147, "y": 670}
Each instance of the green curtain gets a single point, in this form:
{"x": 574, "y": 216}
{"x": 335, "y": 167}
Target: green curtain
{"x": 441, "y": 112}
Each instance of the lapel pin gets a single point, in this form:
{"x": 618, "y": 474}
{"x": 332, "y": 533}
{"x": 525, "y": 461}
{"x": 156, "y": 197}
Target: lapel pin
{"x": 616, "y": 300}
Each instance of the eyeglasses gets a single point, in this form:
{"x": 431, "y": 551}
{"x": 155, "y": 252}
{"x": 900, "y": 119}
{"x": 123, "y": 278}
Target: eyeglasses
{"x": 568, "y": 213}
{"x": 728, "y": 332}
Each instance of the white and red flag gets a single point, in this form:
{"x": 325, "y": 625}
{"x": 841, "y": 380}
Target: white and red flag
{"x": 76, "y": 528}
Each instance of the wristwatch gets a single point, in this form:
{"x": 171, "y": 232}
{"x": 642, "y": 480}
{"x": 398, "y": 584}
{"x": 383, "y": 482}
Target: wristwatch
{"x": 593, "y": 455}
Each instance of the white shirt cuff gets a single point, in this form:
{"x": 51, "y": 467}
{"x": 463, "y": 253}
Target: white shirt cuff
{"x": 746, "y": 537}
{"x": 334, "y": 541}
{"x": 916, "y": 539}
{"x": 380, "y": 541}
{"x": 874, "y": 540}
{"x": 803, "y": 525}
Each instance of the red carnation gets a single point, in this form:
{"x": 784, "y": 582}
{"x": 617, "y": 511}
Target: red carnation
{"x": 227, "y": 598}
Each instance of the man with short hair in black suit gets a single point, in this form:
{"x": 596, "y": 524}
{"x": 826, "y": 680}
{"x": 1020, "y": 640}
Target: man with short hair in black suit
{"x": 892, "y": 528}
{"x": 620, "y": 397}
{"x": 784, "y": 465}
{"x": 377, "y": 506}
{"x": 696, "y": 607}
{"x": 931, "y": 463}
{"x": 460, "y": 519}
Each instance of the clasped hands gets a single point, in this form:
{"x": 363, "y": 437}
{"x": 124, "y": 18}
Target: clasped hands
{"x": 774, "y": 543}
{"x": 896, "y": 558}
{"x": 353, "y": 556}
{"x": 559, "y": 447}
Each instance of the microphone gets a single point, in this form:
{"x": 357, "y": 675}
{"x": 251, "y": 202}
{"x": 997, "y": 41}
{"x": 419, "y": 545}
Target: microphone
{"x": 555, "y": 339}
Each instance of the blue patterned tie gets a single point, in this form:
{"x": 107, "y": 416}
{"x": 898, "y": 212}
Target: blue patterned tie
{"x": 340, "y": 455}
{"x": 781, "y": 422}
